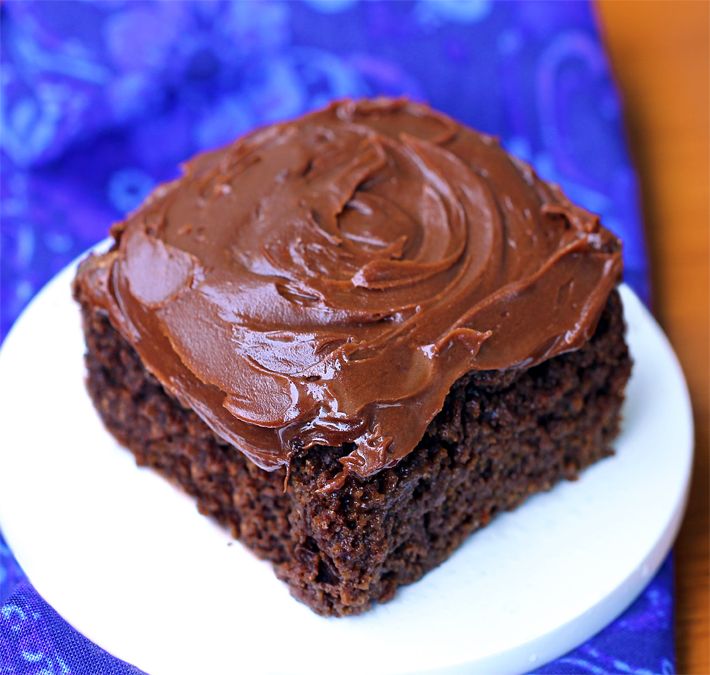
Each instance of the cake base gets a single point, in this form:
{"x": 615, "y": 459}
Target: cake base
{"x": 500, "y": 437}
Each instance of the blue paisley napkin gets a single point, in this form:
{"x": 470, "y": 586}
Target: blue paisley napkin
{"x": 101, "y": 100}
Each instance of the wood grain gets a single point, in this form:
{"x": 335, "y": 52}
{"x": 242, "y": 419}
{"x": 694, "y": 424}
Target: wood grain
{"x": 659, "y": 54}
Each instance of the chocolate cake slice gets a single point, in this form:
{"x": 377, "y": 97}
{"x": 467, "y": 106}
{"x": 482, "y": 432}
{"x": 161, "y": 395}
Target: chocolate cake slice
{"x": 354, "y": 338}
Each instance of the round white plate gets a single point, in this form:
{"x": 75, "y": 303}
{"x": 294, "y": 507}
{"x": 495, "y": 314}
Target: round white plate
{"x": 126, "y": 558}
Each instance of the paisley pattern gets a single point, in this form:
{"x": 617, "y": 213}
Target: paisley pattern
{"x": 101, "y": 100}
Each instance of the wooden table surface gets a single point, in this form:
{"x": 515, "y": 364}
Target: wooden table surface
{"x": 659, "y": 54}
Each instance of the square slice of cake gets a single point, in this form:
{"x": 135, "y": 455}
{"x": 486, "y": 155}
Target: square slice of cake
{"x": 354, "y": 338}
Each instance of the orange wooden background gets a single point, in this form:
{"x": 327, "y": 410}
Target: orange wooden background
{"x": 659, "y": 53}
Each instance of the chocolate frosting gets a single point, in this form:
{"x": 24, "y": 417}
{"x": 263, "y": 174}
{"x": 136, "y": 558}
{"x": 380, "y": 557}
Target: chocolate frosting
{"x": 325, "y": 281}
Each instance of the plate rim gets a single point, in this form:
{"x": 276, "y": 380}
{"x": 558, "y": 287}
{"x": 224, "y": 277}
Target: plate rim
{"x": 633, "y": 583}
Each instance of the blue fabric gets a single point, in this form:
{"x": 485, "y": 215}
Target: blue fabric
{"x": 100, "y": 101}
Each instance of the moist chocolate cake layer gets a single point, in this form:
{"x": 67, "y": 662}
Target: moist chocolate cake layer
{"x": 501, "y": 436}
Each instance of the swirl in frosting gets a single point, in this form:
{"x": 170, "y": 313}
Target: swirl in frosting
{"x": 325, "y": 281}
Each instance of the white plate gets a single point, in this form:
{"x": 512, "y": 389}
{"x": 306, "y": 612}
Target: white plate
{"x": 126, "y": 558}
